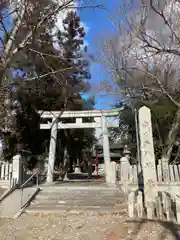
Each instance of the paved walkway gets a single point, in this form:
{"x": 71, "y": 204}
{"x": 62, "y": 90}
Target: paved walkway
{"x": 2, "y": 190}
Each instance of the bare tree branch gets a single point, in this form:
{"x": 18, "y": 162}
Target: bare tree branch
{"x": 151, "y": 42}
{"x": 23, "y": 8}
{"x": 48, "y": 74}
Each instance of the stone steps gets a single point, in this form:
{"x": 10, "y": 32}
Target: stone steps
{"x": 76, "y": 199}
{"x": 66, "y": 197}
{"x": 75, "y": 203}
{"x": 82, "y": 191}
{"x": 68, "y": 200}
{"x": 88, "y": 209}
{"x": 4, "y": 183}
{"x": 75, "y": 187}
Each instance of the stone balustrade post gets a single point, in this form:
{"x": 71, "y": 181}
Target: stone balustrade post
{"x": 17, "y": 170}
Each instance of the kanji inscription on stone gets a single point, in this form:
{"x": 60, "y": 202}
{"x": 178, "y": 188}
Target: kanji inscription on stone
{"x": 147, "y": 153}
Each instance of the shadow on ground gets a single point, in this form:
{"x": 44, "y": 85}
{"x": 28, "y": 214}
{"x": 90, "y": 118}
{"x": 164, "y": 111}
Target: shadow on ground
{"x": 172, "y": 228}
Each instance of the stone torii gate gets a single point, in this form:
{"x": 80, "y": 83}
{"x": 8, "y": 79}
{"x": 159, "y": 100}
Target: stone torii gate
{"x": 100, "y": 121}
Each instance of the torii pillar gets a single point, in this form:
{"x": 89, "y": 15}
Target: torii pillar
{"x": 52, "y": 151}
{"x": 106, "y": 151}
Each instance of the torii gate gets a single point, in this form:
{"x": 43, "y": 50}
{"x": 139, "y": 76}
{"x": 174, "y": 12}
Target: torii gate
{"x": 99, "y": 122}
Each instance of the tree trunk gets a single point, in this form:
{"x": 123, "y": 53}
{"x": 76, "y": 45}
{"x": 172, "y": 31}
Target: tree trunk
{"x": 65, "y": 165}
{"x": 172, "y": 136}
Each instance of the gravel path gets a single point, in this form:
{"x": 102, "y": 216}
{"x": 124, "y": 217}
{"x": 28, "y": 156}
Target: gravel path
{"x": 84, "y": 226}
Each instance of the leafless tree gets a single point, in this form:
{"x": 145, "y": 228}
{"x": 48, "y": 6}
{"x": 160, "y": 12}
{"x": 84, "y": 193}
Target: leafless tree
{"x": 144, "y": 53}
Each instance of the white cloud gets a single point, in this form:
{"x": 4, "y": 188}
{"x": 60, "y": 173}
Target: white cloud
{"x": 86, "y": 29}
{"x": 85, "y": 26}
{"x": 62, "y": 14}
{"x": 86, "y": 43}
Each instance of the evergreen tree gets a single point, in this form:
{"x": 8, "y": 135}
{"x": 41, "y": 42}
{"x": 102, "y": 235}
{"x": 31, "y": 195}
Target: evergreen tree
{"x": 162, "y": 114}
{"x": 64, "y": 78}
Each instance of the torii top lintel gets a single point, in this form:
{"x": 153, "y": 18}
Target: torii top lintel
{"x": 80, "y": 114}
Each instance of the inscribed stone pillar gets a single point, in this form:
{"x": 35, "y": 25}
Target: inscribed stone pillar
{"x": 106, "y": 151}
{"x": 147, "y": 154}
{"x": 52, "y": 151}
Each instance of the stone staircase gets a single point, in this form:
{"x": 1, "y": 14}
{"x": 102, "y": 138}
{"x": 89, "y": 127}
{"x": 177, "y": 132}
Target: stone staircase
{"x": 77, "y": 198}
{"x": 4, "y": 183}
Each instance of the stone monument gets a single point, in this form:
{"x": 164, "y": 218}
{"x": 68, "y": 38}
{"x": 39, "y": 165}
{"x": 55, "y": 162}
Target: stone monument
{"x": 147, "y": 156}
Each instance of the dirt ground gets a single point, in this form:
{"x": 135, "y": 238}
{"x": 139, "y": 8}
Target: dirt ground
{"x": 2, "y": 190}
{"x": 85, "y": 226}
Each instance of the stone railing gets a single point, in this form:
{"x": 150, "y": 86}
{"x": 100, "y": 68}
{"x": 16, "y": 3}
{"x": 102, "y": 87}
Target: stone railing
{"x": 159, "y": 197}
{"x": 165, "y": 207}
{"x": 132, "y": 174}
{"x": 11, "y": 173}
{"x": 5, "y": 171}
{"x": 167, "y": 173}
{"x": 128, "y": 173}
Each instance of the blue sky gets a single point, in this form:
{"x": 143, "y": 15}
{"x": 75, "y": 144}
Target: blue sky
{"x": 8, "y": 24}
{"x": 98, "y": 24}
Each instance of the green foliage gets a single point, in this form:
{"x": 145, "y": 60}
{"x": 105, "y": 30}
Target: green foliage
{"x": 162, "y": 112}
{"x": 57, "y": 91}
